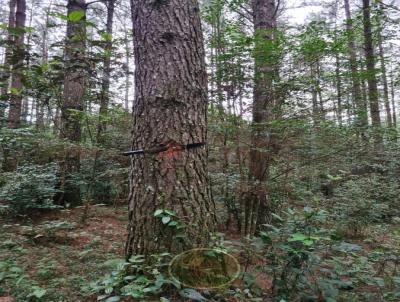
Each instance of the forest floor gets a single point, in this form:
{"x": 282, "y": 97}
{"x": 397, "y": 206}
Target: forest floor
{"x": 56, "y": 255}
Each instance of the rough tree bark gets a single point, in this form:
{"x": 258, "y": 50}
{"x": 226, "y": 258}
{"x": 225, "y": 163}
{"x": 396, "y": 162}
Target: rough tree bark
{"x": 170, "y": 108}
{"x": 371, "y": 72}
{"x": 5, "y": 77}
{"x": 255, "y": 203}
{"x": 361, "y": 116}
{"x": 105, "y": 85}
{"x": 14, "y": 113}
{"x": 73, "y": 93}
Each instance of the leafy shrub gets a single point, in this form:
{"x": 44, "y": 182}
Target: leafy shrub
{"x": 365, "y": 200}
{"x": 134, "y": 279}
{"x": 290, "y": 259}
{"x": 30, "y": 187}
{"x": 104, "y": 179}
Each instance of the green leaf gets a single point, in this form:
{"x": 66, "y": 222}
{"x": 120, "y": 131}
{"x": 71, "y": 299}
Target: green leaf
{"x": 277, "y": 217}
{"x": 171, "y": 213}
{"x": 162, "y": 299}
{"x": 166, "y": 219}
{"x": 38, "y": 293}
{"x": 265, "y": 238}
{"x": 113, "y": 299}
{"x": 106, "y": 36}
{"x": 306, "y": 240}
{"x": 298, "y": 237}
{"x": 101, "y": 297}
{"x": 189, "y": 293}
{"x": 15, "y": 269}
{"x": 58, "y": 15}
{"x": 143, "y": 279}
{"x": 15, "y": 91}
{"x": 158, "y": 212}
{"x": 137, "y": 259}
{"x": 76, "y": 15}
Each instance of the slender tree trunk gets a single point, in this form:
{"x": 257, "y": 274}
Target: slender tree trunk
{"x": 170, "y": 109}
{"x": 361, "y": 115}
{"x": 319, "y": 91}
{"x": 364, "y": 88}
{"x": 218, "y": 63}
{"x": 73, "y": 93}
{"x": 5, "y": 79}
{"x": 384, "y": 79}
{"x": 57, "y": 119}
{"x": 105, "y": 85}
{"x": 26, "y": 114}
{"x": 14, "y": 114}
{"x": 316, "y": 113}
{"x": 338, "y": 77}
{"x": 394, "y": 118}
{"x": 256, "y": 209}
{"x": 40, "y": 102}
{"x": 127, "y": 71}
{"x": 371, "y": 73}
{"x": 338, "y": 89}
{"x": 9, "y": 161}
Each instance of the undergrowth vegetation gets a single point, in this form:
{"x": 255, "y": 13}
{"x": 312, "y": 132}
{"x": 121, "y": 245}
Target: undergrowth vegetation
{"x": 332, "y": 234}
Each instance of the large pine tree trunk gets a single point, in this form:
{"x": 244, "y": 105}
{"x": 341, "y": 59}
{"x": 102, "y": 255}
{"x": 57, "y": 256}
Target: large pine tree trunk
{"x": 14, "y": 114}
{"x": 361, "y": 115}
{"x": 371, "y": 72}
{"x": 5, "y": 77}
{"x": 73, "y": 93}
{"x": 255, "y": 205}
{"x": 170, "y": 106}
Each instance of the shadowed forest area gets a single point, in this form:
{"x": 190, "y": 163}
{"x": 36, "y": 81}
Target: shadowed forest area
{"x": 199, "y": 150}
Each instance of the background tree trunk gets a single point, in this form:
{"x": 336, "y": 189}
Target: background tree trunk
{"x": 361, "y": 115}
{"x": 371, "y": 72}
{"x": 394, "y": 118}
{"x": 256, "y": 208}
{"x": 74, "y": 90}
{"x": 26, "y": 113}
{"x": 105, "y": 85}
{"x": 170, "y": 105}
{"x": 384, "y": 78}
{"x": 14, "y": 114}
{"x": 43, "y": 100}
{"x": 127, "y": 70}
{"x": 5, "y": 78}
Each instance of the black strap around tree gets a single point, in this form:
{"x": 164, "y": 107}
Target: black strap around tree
{"x": 162, "y": 148}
